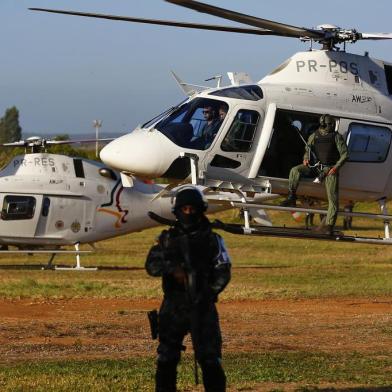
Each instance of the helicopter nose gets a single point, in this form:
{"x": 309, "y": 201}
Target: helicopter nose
{"x": 141, "y": 153}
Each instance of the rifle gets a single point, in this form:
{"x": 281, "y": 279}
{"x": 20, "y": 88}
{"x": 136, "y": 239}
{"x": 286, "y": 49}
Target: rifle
{"x": 191, "y": 288}
{"x": 153, "y": 320}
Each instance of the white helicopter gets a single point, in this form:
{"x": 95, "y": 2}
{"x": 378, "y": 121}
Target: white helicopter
{"x": 50, "y": 200}
{"x": 249, "y": 151}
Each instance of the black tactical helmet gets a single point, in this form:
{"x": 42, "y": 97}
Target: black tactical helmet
{"x": 189, "y": 195}
{"x": 326, "y": 119}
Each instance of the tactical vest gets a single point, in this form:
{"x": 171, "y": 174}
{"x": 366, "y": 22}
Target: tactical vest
{"x": 325, "y": 148}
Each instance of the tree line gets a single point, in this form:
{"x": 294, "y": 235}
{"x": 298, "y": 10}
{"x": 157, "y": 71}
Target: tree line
{"x": 11, "y": 131}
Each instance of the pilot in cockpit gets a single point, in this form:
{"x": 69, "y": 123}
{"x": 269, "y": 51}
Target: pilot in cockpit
{"x": 222, "y": 112}
{"x": 209, "y": 129}
{"x": 212, "y": 123}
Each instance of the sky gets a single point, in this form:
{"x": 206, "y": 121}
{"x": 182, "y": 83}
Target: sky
{"x": 62, "y": 72}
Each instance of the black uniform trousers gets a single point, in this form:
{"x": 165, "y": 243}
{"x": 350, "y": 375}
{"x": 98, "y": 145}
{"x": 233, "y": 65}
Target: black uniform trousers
{"x": 175, "y": 316}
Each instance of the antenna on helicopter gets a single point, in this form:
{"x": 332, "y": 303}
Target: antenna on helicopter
{"x": 216, "y": 77}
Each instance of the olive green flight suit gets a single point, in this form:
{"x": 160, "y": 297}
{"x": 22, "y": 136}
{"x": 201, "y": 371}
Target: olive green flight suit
{"x": 331, "y": 181}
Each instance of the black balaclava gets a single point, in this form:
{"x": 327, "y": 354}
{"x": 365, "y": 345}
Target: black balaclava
{"x": 193, "y": 197}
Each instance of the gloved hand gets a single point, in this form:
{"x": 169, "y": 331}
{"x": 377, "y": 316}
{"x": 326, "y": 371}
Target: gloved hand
{"x": 169, "y": 252}
{"x": 164, "y": 240}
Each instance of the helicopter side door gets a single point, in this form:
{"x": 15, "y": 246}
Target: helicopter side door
{"x": 19, "y": 214}
{"x": 233, "y": 150}
{"x": 370, "y": 156}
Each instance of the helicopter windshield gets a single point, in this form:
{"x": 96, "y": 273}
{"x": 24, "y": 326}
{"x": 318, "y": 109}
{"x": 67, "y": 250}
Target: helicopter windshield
{"x": 195, "y": 124}
{"x": 162, "y": 115}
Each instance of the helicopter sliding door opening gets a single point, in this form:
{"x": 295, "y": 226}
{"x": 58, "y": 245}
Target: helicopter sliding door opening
{"x": 287, "y": 145}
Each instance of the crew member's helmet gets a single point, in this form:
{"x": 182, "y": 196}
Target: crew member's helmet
{"x": 327, "y": 120}
{"x": 190, "y": 195}
{"x": 189, "y": 207}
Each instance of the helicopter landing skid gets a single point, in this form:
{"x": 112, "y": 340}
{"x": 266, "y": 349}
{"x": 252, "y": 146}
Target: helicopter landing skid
{"x": 298, "y": 233}
{"x": 78, "y": 266}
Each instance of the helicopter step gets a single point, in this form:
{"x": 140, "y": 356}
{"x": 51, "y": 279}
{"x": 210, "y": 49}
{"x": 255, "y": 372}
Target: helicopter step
{"x": 297, "y": 233}
{"x": 383, "y": 217}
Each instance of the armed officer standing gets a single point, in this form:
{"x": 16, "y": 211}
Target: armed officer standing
{"x": 195, "y": 267}
{"x": 330, "y": 151}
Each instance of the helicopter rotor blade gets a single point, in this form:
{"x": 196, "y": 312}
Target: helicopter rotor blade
{"x": 199, "y": 26}
{"x": 376, "y": 36}
{"x": 58, "y": 142}
{"x": 277, "y": 28}
{"x": 20, "y": 143}
{"x": 46, "y": 142}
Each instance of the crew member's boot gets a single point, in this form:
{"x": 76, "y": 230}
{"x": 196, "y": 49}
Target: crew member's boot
{"x": 290, "y": 201}
{"x": 214, "y": 378}
{"x": 166, "y": 376}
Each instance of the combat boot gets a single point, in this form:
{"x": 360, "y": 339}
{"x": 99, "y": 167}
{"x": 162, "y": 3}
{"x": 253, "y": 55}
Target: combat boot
{"x": 166, "y": 376}
{"x": 290, "y": 201}
{"x": 214, "y": 378}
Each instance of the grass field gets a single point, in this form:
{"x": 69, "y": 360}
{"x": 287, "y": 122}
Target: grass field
{"x": 264, "y": 269}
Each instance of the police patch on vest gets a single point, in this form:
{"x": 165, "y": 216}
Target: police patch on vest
{"x": 223, "y": 256}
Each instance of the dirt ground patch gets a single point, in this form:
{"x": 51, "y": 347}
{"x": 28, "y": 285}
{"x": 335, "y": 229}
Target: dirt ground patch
{"x": 117, "y": 328}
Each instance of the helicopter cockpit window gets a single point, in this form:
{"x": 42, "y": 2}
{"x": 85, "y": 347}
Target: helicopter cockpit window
{"x": 240, "y": 136}
{"x": 250, "y": 93}
{"x": 18, "y": 207}
{"x": 195, "y": 124}
{"x": 368, "y": 143}
{"x": 159, "y": 117}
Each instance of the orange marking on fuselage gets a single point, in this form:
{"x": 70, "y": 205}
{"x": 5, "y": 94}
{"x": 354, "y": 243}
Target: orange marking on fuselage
{"x": 117, "y": 214}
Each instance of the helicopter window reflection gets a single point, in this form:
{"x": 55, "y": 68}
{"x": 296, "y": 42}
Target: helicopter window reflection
{"x": 250, "y": 93}
{"x": 18, "y": 207}
{"x": 240, "y": 136}
{"x": 195, "y": 124}
{"x": 368, "y": 143}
